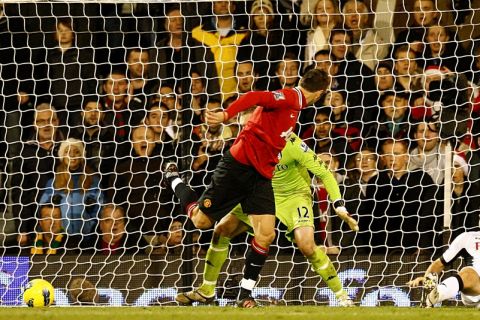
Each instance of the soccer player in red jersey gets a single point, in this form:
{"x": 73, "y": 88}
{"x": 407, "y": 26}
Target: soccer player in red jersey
{"x": 244, "y": 175}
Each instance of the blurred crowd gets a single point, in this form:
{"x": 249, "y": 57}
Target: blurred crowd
{"x": 97, "y": 98}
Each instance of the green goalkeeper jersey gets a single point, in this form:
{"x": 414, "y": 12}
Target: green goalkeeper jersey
{"x": 291, "y": 173}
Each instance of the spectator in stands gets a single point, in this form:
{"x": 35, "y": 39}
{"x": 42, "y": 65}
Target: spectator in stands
{"x": 50, "y": 237}
{"x": 172, "y": 240}
{"x": 34, "y": 168}
{"x": 367, "y": 45}
{"x": 473, "y": 154}
{"x": 355, "y": 78}
{"x": 399, "y": 206}
{"x": 407, "y": 75}
{"x": 286, "y": 73}
{"x": 211, "y": 141}
{"x": 167, "y": 54}
{"x": 99, "y": 145}
{"x": 67, "y": 74}
{"x": 158, "y": 119}
{"x": 199, "y": 97}
{"x": 443, "y": 51}
{"x": 361, "y": 167}
{"x": 136, "y": 187}
{"x": 113, "y": 237}
{"x": 325, "y": 139}
{"x": 78, "y": 190}
{"x": 168, "y": 96}
{"x": 394, "y": 119}
{"x": 222, "y": 35}
{"x": 121, "y": 112}
{"x": 138, "y": 74}
{"x": 336, "y": 101}
{"x": 326, "y": 18}
{"x": 384, "y": 79}
{"x": 428, "y": 155}
{"x": 425, "y": 14}
{"x": 267, "y": 42}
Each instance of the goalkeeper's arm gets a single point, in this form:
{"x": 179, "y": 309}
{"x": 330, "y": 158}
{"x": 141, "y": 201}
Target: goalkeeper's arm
{"x": 435, "y": 267}
{"x": 306, "y": 157}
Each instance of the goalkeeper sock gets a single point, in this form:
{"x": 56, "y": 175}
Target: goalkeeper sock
{"x": 254, "y": 261}
{"x": 449, "y": 288}
{"x": 322, "y": 265}
{"x": 188, "y": 198}
{"x": 216, "y": 255}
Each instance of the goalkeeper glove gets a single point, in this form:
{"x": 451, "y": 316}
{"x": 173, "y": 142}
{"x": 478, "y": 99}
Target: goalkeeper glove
{"x": 341, "y": 211}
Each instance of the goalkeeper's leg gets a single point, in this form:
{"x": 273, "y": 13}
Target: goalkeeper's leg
{"x": 229, "y": 227}
{"x": 321, "y": 263}
{"x": 466, "y": 281}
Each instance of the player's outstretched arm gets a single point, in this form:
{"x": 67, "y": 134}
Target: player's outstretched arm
{"x": 435, "y": 267}
{"x": 306, "y": 157}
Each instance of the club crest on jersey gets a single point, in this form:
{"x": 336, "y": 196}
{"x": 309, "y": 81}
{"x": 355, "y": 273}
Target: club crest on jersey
{"x": 207, "y": 203}
{"x": 278, "y": 95}
{"x": 304, "y": 147}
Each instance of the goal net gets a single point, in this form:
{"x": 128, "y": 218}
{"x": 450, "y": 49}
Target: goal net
{"x": 98, "y": 96}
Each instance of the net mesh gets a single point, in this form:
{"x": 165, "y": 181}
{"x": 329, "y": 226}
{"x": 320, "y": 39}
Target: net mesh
{"x": 98, "y": 97}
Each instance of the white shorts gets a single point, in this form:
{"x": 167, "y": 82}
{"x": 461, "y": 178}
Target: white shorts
{"x": 470, "y": 301}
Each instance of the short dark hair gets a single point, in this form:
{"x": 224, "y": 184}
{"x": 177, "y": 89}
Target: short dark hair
{"x": 112, "y": 207}
{"x": 315, "y": 80}
{"x": 326, "y": 111}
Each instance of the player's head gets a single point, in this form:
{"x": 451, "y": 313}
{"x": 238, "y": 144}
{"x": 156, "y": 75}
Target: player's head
{"x": 314, "y": 82}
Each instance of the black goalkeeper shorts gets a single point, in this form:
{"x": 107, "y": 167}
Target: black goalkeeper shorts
{"x": 233, "y": 183}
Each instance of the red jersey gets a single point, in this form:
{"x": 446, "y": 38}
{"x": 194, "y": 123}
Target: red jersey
{"x": 264, "y": 136}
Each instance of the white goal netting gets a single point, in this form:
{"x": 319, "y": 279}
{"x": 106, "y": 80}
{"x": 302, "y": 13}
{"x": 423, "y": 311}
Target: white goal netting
{"x": 98, "y": 96}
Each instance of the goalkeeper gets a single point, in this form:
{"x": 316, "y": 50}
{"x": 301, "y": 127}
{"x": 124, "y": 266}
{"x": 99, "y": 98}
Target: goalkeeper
{"x": 466, "y": 281}
{"x": 293, "y": 200}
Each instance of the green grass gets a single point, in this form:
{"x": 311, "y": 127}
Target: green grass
{"x": 229, "y": 313}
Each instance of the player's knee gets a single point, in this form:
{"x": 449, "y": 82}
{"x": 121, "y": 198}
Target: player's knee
{"x": 223, "y": 230}
{"x": 307, "y": 249}
{"x": 265, "y": 239}
{"x": 469, "y": 277}
{"x": 201, "y": 221}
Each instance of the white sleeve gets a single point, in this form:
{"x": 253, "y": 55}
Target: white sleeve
{"x": 454, "y": 248}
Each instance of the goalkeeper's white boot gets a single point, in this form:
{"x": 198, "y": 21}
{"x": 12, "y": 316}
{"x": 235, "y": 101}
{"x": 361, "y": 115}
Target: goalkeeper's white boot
{"x": 431, "y": 284}
{"x": 344, "y": 300}
{"x": 189, "y": 297}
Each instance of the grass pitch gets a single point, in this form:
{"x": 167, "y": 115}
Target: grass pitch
{"x": 229, "y": 313}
